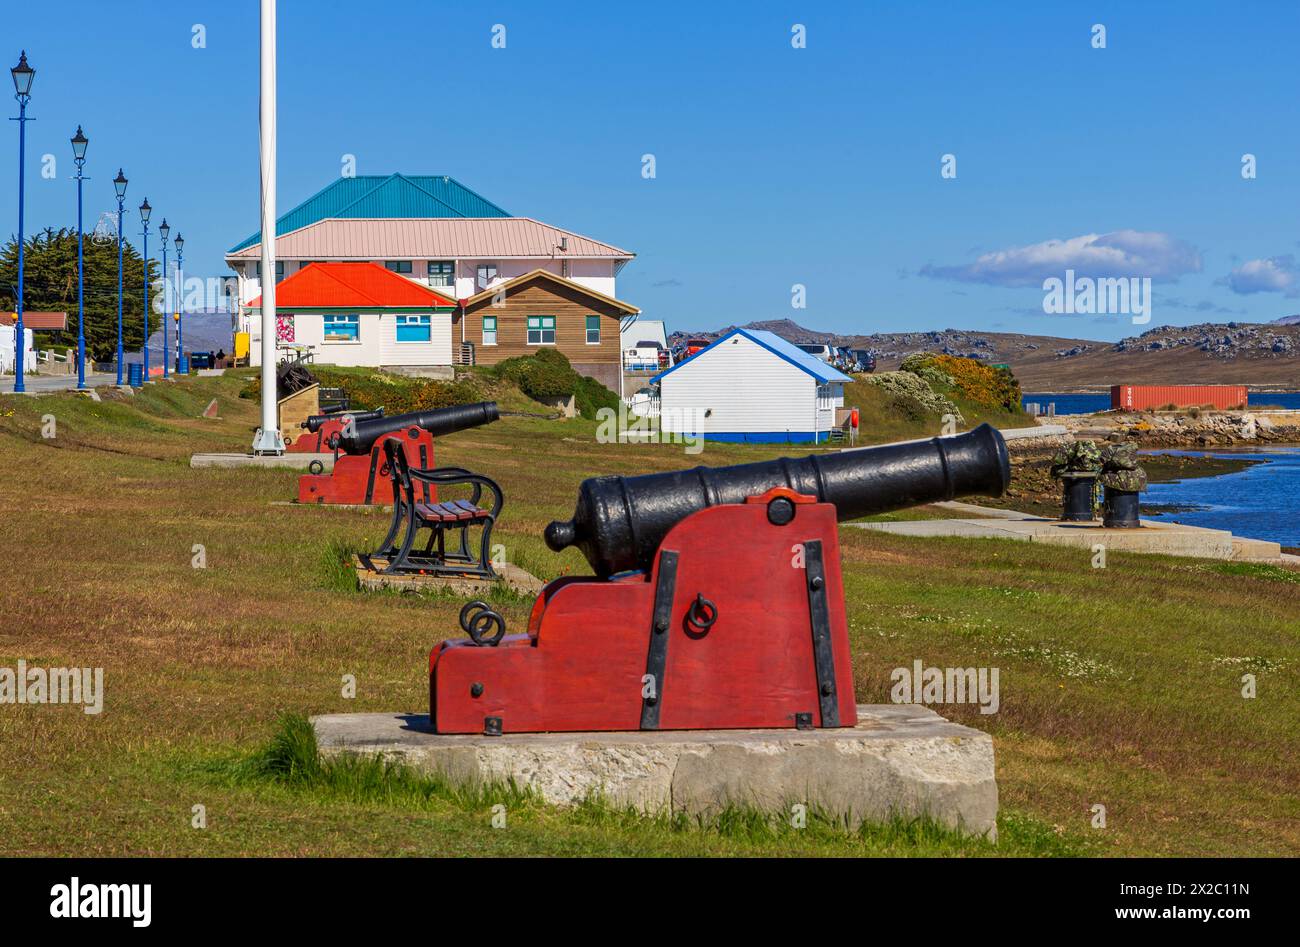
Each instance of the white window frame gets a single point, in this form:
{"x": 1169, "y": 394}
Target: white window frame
{"x": 478, "y": 275}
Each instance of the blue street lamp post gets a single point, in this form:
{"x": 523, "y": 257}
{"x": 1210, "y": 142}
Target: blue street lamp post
{"x": 119, "y": 185}
{"x": 79, "y": 143}
{"x": 180, "y": 304}
{"x": 145, "y": 211}
{"x": 163, "y": 231}
{"x": 23, "y": 75}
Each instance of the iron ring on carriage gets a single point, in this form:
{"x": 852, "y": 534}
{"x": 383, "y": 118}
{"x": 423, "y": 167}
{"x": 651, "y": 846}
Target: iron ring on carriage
{"x": 702, "y": 614}
{"x": 476, "y": 618}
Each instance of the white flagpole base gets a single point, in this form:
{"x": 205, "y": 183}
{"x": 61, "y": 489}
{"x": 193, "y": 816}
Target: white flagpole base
{"x": 268, "y": 442}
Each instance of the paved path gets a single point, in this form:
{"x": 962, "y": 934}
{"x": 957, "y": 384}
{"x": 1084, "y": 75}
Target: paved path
{"x": 45, "y": 384}
{"x": 1170, "y": 539}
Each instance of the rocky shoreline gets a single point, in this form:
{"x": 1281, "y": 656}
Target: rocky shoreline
{"x": 1188, "y": 429}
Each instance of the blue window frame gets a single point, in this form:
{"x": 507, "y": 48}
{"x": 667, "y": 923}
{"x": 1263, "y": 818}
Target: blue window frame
{"x": 414, "y": 328}
{"x": 593, "y": 330}
{"x": 399, "y": 266}
{"x": 342, "y": 328}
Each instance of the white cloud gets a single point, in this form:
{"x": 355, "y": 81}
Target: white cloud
{"x": 1273, "y": 275}
{"x": 1121, "y": 253}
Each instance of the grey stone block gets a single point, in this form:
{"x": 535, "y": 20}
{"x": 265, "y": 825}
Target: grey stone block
{"x": 900, "y": 760}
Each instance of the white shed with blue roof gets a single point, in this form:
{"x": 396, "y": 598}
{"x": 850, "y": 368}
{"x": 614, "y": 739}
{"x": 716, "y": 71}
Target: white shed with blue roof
{"x": 751, "y": 386}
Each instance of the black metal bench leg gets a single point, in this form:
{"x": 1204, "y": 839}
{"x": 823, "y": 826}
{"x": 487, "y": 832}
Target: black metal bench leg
{"x": 399, "y": 561}
{"x": 386, "y": 547}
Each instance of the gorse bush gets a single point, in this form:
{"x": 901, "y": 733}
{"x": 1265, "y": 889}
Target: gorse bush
{"x": 912, "y": 397}
{"x": 969, "y": 377}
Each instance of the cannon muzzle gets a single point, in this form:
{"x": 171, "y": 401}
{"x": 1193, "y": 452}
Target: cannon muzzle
{"x": 317, "y": 421}
{"x": 360, "y": 437}
{"x": 620, "y": 521}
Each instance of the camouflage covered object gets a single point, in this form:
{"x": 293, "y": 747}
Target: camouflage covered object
{"x": 1130, "y": 481}
{"x": 1079, "y": 457}
{"x": 1123, "y": 456}
{"x": 1120, "y": 469}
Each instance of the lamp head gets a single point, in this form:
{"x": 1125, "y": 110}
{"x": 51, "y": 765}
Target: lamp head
{"x": 23, "y": 75}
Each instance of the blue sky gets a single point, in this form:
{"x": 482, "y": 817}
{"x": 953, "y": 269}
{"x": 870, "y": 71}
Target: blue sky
{"x": 774, "y": 165}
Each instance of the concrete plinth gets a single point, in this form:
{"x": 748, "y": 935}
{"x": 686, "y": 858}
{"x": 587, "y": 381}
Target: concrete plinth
{"x": 371, "y": 579}
{"x": 295, "y": 461}
{"x": 900, "y": 760}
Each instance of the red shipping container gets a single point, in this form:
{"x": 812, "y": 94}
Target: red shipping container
{"x": 1149, "y": 397}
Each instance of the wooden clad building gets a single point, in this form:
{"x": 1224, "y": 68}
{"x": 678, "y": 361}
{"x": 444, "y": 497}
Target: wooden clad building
{"x": 540, "y": 309}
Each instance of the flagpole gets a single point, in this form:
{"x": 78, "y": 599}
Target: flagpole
{"x": 268, "y": 439}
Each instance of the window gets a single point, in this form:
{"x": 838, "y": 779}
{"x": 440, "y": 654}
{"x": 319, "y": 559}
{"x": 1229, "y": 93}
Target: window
{"x": 441, "y": 273}
{"x": 398, "y": 266}
{"x": 279, "y": 270}
{"x": 541, "y": 330}
{"x": 342, "y": 328}
{"x": 489, "y": 330}
{"x": 593, "y": 330}
{"x": 487, "y": 272}
{"x": 414, "y": 328}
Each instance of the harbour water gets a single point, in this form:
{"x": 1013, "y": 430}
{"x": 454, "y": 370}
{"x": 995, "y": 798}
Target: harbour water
{"x": 1261, "y": 502}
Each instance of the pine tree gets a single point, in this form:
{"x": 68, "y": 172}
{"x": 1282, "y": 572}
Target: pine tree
{"x": 50, "y": 284}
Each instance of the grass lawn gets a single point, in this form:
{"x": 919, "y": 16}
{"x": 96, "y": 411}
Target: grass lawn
{"x": 1119, "y": 687}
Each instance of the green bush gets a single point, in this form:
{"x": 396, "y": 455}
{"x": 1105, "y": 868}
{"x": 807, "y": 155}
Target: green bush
{"x": 395, "y": 394}
{"x": 912, "y": 396}
{"x": 542, "y": 376}
{"x": 547, "y": 375}
{"x": 591, "y": 396}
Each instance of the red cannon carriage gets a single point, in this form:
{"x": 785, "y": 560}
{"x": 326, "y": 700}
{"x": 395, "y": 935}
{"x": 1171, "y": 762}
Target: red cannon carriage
{"x": 360, "y": 467}
{"x": 717, "y": 600}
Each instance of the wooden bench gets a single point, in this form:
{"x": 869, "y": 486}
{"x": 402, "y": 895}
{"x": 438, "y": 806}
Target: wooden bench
{"x": 439, "y": 517}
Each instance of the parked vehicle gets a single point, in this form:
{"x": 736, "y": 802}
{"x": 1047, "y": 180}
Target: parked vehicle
{"x": 645, "y": 357}
{"x": 640, "y": 404}
{"x": 823, "y": 352}
{"x": 866, "y": 362}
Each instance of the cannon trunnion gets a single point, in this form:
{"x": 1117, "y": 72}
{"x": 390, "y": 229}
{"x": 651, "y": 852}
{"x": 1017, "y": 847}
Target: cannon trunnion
{"x": 357, "y": 439}
{"x": 732, "y": 616}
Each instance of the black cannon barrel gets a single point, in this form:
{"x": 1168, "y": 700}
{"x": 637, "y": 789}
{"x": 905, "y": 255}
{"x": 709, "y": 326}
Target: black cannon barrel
{"x": 361, "y": 436}
{"x": 620, "y": 521}
{"x": 317, "y": 421}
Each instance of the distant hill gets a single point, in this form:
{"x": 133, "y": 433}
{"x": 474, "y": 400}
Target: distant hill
{"x": 1258, "y": 354}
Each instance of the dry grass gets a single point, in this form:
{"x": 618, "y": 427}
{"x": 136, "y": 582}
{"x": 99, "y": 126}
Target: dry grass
{"x": 1119, "y": 686}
